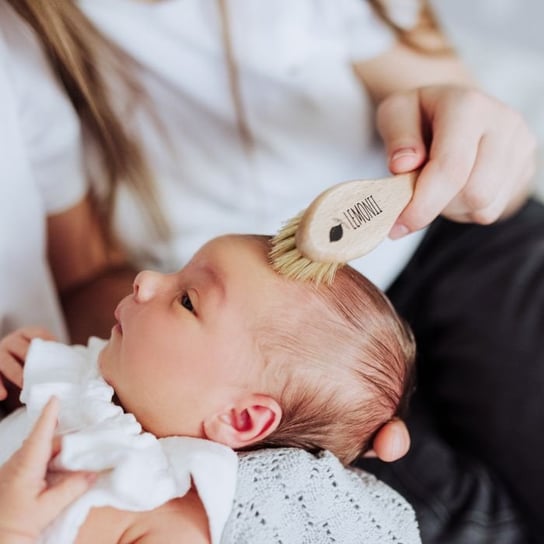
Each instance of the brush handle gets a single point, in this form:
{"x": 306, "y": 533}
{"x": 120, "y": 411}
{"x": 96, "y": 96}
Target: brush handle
{"x": 352, "y": 218}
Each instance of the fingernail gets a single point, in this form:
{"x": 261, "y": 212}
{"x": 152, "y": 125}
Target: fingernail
{"x": 398, "y": 231}
{"x": 403, "y": 152}
{"x": 397, "y": 445}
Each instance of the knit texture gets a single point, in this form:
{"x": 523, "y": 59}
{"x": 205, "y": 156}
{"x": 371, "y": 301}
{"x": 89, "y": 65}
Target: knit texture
{"x": 289, "y": 496}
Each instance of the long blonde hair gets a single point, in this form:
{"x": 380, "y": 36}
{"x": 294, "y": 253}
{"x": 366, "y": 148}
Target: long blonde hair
{"x": 425, "y": 36}
{"x": 79, "y": 55}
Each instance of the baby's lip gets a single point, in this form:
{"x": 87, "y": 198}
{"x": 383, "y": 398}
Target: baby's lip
{"x": 117, "y": 315}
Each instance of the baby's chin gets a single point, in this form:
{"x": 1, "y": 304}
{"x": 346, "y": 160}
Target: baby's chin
{"x": 103, "y": 367}
{"x": 104, "y": 361}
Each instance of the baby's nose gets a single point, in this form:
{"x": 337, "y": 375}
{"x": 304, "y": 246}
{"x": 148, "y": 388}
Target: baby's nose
{"x": 146, "y": 285}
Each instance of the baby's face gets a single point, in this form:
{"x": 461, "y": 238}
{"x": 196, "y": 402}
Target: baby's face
{"x": 183, "y": 347}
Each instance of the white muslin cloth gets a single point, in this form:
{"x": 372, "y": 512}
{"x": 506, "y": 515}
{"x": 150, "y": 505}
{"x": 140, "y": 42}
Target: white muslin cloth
{"x": 137, "y": 471}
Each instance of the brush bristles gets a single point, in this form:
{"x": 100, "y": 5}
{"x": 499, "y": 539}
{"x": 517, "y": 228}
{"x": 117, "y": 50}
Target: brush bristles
{"x": 290, "y": 262}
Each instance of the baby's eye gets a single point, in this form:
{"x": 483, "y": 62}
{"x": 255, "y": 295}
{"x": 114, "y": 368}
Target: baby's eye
{"x": 185, "y": 301}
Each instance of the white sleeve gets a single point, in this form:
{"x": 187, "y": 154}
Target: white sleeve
{"x": 39, "y": 174}
{"x": 48, "y": 123}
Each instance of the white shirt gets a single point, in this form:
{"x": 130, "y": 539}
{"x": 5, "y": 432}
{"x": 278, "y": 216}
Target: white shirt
{"x": 311, "y": 120}
{"x": 40, "y": 174}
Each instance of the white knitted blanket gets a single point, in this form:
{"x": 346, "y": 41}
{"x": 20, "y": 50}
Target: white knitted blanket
{"x": 289, "y": 496}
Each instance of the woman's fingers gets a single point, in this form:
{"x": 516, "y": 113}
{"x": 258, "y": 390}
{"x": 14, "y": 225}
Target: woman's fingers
{"x": 481, "y": 154}
{"x": 13, "y": 352}
{"x": 63, "y": 492}
{"x": 391, "y": 442}
{"x": 399, "y": 123}
{"x": 36, "y": 450}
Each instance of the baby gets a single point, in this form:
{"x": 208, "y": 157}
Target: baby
{"x": 228, "y": 351}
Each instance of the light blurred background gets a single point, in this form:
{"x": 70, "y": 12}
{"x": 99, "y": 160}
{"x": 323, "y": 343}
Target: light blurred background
{"x": 503, "y": 43}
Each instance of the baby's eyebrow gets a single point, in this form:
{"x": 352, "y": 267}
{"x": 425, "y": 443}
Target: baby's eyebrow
{"x": 213, "y": 276}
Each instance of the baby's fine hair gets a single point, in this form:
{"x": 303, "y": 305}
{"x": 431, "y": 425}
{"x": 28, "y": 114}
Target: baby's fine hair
{"x": 343, "y": 360}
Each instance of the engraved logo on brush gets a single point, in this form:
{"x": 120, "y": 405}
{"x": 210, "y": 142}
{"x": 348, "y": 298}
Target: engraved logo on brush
{"x": 362, "y": 212}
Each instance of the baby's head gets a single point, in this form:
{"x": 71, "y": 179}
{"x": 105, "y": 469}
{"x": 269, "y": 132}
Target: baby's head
{"x": 229, "y": 350}
{"x": 344, "y": 361}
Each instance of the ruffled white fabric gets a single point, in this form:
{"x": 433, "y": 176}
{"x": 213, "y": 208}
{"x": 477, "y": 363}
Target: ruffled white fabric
{"x": 138, "y": 471}
{"x": 291, "y": 496}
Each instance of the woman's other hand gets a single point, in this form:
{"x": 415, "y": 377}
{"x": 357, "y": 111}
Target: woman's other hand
{"x": 28, "y": 502}
{"x": 13, "y": 350}
{"x": 392, "y": 441}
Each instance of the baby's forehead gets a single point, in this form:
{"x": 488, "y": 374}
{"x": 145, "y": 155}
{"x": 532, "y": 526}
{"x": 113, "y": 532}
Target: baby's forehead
{"x": 230, "y": 249}
{"x": 235, "y": 241}
{"x": 239, "y": 259}
{"x": 247, "y": 256}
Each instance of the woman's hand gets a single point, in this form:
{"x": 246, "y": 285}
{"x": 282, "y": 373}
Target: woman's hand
{"x": 13, "y": 350}
{"x": 392, "y": 441}
{"x": 28, "y": 502}
{"x": 477, "y": 155}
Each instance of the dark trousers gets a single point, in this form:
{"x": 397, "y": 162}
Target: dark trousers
{"x": 474, "y": 296}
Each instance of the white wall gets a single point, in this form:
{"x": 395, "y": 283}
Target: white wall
{"x": 503, "y": 42}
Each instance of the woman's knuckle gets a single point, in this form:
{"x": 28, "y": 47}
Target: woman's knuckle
{"x": 485, "y": 216}
{"x": 477, "y": 199}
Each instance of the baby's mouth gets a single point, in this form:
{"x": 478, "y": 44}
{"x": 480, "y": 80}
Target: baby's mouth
{"x": 118, "y": 327}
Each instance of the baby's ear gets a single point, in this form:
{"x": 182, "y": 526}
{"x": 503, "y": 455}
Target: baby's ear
{"x": 249, "y": 421}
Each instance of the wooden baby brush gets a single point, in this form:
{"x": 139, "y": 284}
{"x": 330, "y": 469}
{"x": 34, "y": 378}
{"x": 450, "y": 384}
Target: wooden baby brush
{"x": 344, "y": 222}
